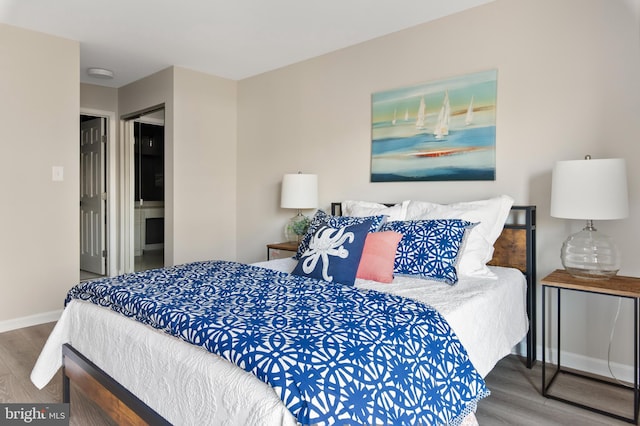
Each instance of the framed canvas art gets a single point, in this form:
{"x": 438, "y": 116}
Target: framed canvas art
{"x": 443, "y": 130}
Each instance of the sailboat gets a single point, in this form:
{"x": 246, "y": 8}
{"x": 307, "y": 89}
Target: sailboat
{"x": 469, "y": 118}
{"x": 442, "y": 127}
{"x": 421, "y": 115}
{"x": 394, "y": 116}
{"x": 406, "y": 114}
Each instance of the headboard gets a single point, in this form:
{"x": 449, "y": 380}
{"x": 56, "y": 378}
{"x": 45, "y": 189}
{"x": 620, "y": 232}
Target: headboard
{"x": 514, "y": 248}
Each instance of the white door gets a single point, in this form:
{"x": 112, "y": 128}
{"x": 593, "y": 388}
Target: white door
{"x": 92, "y": 196}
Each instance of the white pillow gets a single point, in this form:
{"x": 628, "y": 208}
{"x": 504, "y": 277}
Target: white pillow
{"x": 367, "y": 208}
{"x": 490, "y": 215}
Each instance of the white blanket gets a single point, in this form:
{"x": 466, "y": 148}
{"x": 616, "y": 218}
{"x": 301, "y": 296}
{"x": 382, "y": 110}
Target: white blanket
{"x": 185, "y": 384}
{"x": 188, "y": 385}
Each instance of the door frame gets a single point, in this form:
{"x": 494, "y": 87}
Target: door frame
{"x": 113, "y": 254}
{"x": 127, "y": 181}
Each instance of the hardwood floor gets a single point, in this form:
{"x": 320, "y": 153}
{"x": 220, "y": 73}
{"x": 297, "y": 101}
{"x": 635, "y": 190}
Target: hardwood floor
{"x": 19, "y": 350}
{"x": 516, "y": 399}
{"x": 515, "y": 391}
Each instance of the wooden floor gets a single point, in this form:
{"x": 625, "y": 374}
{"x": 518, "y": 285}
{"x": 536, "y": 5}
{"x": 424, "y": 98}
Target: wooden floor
{"x": 515, "y": 391}
{"x": 516, "y": 398}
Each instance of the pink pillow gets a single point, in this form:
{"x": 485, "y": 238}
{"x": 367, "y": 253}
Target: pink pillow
{"x": 378, "y": 255}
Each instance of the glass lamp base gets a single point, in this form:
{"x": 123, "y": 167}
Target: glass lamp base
{"x": 296, "y": 227}
{"x": 591, "y": 255}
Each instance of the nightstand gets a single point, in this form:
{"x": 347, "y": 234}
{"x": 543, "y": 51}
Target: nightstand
{"x": 289, "y": 246}
{"x": 628, "y": 287}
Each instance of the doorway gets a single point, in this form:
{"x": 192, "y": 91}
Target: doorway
{"x": 93, "y": 196}
{"x": 148, "y": 191}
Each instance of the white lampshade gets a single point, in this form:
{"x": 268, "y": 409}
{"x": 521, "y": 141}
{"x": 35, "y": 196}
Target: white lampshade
{"x": 299, "y": 191}
{"x": 590, "y": 189}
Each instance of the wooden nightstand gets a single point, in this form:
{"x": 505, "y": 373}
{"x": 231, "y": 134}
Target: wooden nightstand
{"x": 289, "y": 246}
{"x": 628, "y": 287}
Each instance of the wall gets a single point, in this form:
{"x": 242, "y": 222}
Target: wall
{"x": 204, "y": 162}
{"x": 567, "y": 86}
{"x": 154, "y": 90}
{"x": 200, "y": 159}
{"x": 98, "y": 98}
{"x": 39, "y": 218}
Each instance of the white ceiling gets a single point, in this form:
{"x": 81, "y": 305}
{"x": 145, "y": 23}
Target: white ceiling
{"x": 234, "y": 39}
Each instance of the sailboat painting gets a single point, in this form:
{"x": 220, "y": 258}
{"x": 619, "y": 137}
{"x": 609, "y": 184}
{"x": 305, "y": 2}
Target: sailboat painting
{"x": 448, "y": 132}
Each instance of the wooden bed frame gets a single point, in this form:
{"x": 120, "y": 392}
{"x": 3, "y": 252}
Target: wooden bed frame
{"x": 114, "y": 399}
{"x": 514, "y": 248}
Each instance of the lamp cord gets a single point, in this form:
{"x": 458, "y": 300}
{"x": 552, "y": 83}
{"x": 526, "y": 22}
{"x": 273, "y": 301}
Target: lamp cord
{"x": 613, "y": 329}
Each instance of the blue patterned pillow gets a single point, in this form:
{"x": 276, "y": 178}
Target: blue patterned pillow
{"x": 321, "y": 219}
{"x": 429, "y": 248}
{"x": 334, "y": 253}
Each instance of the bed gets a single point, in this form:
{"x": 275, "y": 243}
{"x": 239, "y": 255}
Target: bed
{"x": 141, "y": 375}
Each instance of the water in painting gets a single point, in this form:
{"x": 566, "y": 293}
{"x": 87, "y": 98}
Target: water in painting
{"x": 443, "y": 130}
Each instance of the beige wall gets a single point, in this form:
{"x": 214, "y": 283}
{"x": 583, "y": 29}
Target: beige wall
{"x": 200, "y": 159}
{"x": 157, "y": 89}
{"x": 98, "y": 98}
{"x": 39, "y": 247}
{"x": 204, "y": 162}
{"x": 567, "y": 86}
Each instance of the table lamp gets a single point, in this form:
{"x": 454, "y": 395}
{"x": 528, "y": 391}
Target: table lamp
{"x": 299, "y": 191}
{"x": 590, "y": 190}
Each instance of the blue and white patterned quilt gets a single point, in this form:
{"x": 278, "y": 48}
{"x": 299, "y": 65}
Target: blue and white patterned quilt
{"x": 333, "y": 353}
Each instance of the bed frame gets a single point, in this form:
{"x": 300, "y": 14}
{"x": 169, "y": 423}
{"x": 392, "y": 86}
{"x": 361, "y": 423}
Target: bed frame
{"x": 514, "y": 248}
{"x": 114, "y": 399}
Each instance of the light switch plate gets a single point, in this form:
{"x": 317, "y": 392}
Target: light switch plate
{"x": 57, "y": 173}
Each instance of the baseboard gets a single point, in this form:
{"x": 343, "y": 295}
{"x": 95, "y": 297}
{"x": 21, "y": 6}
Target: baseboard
{"x": 595, "y": 366}
{"x": 622, "y": 372}
{"x": 31, "y": 320}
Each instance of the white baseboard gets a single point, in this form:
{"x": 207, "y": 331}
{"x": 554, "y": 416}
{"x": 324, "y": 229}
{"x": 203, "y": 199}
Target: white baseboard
{"x": 31, "y": 320}
{"x": 622, "y": 372}
{"x": 596, "y": 366}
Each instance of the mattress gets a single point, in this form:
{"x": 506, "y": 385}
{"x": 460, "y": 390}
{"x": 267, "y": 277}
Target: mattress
{"x": 186, "y": 384}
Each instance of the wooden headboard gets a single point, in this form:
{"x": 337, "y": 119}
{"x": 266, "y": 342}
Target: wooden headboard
{"x": 514, "y": 248}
